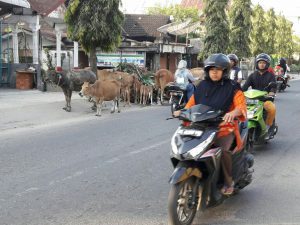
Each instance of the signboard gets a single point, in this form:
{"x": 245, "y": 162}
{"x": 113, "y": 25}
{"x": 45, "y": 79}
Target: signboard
{"x": 113, "y": 59}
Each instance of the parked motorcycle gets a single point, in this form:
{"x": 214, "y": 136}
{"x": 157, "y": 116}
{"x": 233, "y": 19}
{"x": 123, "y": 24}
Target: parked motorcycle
{"x": 177, "y": 97}
{"x": 197, "y": 176}
{"x": 258, "y": 132}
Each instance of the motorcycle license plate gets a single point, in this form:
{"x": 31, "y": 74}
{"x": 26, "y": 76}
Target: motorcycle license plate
{"x": 252, "y": 101}
{"x": 279, "y": 81}
{"x": 190, "y": 132}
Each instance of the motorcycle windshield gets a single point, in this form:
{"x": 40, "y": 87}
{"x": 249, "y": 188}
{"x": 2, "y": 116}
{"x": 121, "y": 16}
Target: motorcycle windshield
{"x": 199, "y": 113}
{"x": 253, "y": 93}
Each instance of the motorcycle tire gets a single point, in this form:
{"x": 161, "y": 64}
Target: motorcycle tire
{"x": 181, "y": 210}
{"x": 250, "y": 140}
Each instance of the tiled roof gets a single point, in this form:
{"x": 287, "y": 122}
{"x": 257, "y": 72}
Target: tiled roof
{"x": 138, "y": 25}
{"x": 192, "y": 3}
{"x": 44, "y": 7}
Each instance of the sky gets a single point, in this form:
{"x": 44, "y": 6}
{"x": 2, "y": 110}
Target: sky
{"x": 289, "y": 8}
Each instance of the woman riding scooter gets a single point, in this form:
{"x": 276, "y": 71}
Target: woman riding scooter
{"x": 221, "y": 93}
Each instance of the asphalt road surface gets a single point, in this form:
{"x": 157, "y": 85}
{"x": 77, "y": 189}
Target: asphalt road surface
{"x": 114, "y": 170}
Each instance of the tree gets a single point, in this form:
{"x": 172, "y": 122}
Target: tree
{"x": 270, "y": 31}
{"x": 95, "y": 24}
{"x": 178, "y": 12}
{"x": 284, "y": 38}
{"x": 240, "y": 27}
{"x": 258, "y": 42}
{"x": 216, "y": 39}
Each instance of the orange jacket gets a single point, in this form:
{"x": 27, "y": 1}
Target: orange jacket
{"x": 239, "y": 102}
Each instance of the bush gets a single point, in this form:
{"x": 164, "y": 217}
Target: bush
{"x": 295, "y": 68}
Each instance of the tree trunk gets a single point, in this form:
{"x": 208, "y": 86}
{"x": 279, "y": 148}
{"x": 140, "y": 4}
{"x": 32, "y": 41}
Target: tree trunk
{"x": 93, "y": 60}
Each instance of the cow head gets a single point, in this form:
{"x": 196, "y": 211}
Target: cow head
{"x": 85, "y": 89}
{"x": 54, "y": 77}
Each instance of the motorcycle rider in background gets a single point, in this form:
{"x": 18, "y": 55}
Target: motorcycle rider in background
{"x": 235, "y": 73}
{"x": 282, "y": 65}
{"x": 221, "y": 93}
{"x": 184, "y": 79}
{"x": 259, "y": 80}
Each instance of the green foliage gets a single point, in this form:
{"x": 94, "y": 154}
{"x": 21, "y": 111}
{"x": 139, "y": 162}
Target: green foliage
{"x": 295, "y": 68}
{"x": 270, "y": 31}
{"x": 258, "y": 43}
{"x": 284, "y": 37}
{"x": 240, "y": 27}
{"x": 216, "y": 39}
{"x": 95, "y": 23}
{"x": 177, "y": 11}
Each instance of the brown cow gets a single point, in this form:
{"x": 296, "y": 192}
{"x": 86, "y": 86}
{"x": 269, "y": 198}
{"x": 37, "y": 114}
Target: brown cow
{"x": 162, "y": 78}
{"x": 136, "y": 87}
{"x": 108, "y": 90}
{"x": 146, "y": 93}
{"x": 126, "y": 80}
{"x": 198, "y": 73}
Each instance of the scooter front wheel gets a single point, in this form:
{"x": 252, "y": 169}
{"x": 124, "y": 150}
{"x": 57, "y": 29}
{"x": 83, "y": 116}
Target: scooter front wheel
{"x": 181, "y": 208}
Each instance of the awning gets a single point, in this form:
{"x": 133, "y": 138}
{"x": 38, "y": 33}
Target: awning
{"x": 179, "y": 28}
{"x": 7, "y": 6}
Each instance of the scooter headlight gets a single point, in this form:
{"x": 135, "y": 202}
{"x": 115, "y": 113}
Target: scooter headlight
{"x": 250, "y": 114}
{"x": 201, "y": 147}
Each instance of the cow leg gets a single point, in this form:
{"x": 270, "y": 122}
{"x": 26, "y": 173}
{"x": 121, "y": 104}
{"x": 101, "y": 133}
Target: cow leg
{"x": 69, "y": 96}
{"x": 118, "y": 105}
{"x": 113, "y": 108}
{"x": 99, "y": 107}
{"x": 128, "y": 96}
{"x": 151, "y": 96}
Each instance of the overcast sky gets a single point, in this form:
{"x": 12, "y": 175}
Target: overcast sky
{"x": 289, "y": 8}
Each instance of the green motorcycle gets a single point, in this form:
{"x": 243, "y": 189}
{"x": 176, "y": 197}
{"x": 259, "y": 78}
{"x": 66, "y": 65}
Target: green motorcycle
{"x": 257, "y": 129}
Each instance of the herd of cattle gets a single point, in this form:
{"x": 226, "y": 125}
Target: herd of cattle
{"x": 112, "y": 86}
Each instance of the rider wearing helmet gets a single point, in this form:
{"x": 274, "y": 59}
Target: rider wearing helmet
{"x": 221, "y": 93}
{"x": 282, "y": 68}
{"x": 235, "y": 73}
{"x": 260, "y": 79}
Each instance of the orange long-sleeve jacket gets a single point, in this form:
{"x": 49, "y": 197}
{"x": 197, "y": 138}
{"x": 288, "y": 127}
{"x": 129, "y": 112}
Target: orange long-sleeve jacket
{"x": 239, "y": 102}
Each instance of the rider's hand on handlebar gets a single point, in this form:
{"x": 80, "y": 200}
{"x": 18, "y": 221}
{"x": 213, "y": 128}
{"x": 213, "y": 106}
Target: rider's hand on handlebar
{"x": 271, "y": 94}
{"x": 176, "y": 113}
{"x": 229, "y": 117}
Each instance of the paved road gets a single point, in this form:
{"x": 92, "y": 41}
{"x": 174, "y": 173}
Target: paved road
{"x": 60, "y": 168}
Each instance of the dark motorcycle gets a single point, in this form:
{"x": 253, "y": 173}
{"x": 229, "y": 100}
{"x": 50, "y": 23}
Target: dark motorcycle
{"x": 177, "y": 97}
{"x": 282, "y": 82}
{"x": 197, "y": 176}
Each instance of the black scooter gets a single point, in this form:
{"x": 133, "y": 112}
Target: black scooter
{"x": 197, "y": 176}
